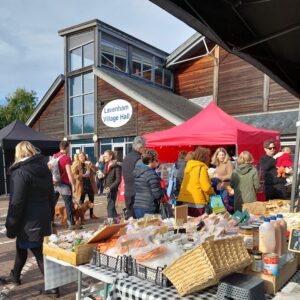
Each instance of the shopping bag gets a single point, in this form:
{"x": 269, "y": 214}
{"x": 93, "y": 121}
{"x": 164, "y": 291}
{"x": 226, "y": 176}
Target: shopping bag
{"x": 216, "y": 204}
{"x": 165, "y": 210}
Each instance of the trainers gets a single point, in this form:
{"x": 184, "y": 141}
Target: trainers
{"x": 11, "y": 278}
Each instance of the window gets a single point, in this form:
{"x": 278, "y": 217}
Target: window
{"x": 81, "y": 104}
{"x": 162, "y": 76}
{"x": 82, "y": 56}
{"x": 167, "y": 78}
{"x": 142, "y": 65}
{"x": 124, "y": 143}
{"x": 113, "y": 53}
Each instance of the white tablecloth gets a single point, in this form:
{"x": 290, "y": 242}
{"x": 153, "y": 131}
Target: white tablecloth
{"x": 58, "y": 273}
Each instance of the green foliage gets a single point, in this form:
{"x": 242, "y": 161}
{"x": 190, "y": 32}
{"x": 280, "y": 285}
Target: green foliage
{"x": 20, "y": 105}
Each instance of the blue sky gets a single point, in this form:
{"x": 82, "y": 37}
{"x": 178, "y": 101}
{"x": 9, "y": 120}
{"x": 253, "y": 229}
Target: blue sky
{"x": 31, "y": 51}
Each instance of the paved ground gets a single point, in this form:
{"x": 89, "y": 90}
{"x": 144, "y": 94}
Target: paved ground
{"x": 32, "y": 280}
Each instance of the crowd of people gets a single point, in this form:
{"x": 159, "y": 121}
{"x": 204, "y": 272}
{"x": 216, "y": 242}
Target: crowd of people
{"x": 36, "y": 187}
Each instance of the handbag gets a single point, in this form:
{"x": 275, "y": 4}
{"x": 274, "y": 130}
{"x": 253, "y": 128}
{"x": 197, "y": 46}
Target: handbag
{"x": 165, "y": 210}
{"x": 216, "y": 204}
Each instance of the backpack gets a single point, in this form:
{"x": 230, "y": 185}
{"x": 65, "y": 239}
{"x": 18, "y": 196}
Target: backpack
{"x": 53, "y": 165}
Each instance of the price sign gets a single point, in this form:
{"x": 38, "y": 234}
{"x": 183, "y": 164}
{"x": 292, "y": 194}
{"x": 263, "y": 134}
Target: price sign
{"x": 294, "y": 242}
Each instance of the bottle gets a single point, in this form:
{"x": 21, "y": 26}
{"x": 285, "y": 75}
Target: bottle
{"x": 267, "y": 237}
{"x": 283, "y": 226}
{"x": 278, "y": 235}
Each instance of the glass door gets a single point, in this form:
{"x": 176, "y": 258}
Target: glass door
{"x": 120, "y": 151}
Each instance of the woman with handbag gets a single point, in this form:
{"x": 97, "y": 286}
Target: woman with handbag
{"x": 148, "y": 191}
{"x": 85, "y": 183}
{"x": 196, "y": 186}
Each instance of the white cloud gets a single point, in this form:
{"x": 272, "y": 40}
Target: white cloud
{"x": 31, "y": 51}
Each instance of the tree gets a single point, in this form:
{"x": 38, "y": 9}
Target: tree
{"x": 20, "y": 105}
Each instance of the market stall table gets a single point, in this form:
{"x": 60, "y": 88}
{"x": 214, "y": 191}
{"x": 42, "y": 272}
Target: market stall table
{"x": 132, "y": 288}
{"x": 58, "y": 273}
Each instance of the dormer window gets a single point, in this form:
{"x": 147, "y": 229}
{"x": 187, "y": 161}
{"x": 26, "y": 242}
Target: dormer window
{"x": 113, "y": 53}
{"x": 142, "y": 65}
{"x": 81, "y": 51}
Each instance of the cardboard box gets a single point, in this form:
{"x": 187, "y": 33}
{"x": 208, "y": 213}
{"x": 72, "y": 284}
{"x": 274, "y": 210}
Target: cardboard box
{"x": 274, "y": 284}
{"x": 82, "y": 253}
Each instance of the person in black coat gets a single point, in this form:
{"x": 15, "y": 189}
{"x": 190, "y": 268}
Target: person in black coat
{"x": 31, "y": 206}
{"x": 274, "y": 186}
{"x": 128, "y": 166}
{"x": 148, "y": 191}
{"x": 112, "y": 179}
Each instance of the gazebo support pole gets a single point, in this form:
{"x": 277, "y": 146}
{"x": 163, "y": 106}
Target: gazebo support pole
{"x": 4, "y": 172}
{"x": 236, "y": 154}
{"x": 295, "y": 169}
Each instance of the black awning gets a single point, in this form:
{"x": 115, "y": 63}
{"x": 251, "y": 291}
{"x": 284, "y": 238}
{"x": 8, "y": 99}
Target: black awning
{"x": 265, "y": 33}
{"x": 17, "y": 131}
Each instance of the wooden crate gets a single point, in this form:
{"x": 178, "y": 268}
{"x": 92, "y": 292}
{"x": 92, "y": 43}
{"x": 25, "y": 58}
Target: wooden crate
{"x": 83, "y": 253}
{"x": 274, "y": 284}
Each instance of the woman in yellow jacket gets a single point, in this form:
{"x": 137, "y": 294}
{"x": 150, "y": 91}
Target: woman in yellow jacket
{"x": 196, "y": 185}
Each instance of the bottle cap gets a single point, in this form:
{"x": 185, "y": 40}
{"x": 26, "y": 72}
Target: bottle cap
{"x": 267, "y": 220}
{"x": 273, "y": 218}
{"x": 280, "y": 216}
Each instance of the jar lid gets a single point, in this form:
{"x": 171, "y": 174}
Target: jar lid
{"x": 246, "y": 227}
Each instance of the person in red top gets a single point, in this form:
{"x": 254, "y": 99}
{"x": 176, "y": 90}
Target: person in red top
{"x": 284, "y": 162}
{"x": 66, "y": 186}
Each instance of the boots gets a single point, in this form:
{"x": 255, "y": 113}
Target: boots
{"x": 53, "y": 292}
{"x": 11, "y": 278}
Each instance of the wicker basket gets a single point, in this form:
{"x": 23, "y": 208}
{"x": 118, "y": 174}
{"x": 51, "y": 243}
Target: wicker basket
{"x": 205, "y": 265}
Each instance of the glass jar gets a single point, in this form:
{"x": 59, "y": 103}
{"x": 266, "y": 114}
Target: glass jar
{"x": 247, "y": 233}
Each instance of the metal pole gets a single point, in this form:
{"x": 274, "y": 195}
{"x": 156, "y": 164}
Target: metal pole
{"x": 296, "y": 160}
{"x": 236, "y": 154}
{"x": 4, "y": 172}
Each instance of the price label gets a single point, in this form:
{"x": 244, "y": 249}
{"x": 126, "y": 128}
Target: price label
{"x": 179, "y": 222}
{"x": 294, "y": 242}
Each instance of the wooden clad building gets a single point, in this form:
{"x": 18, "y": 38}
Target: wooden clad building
{"x": 116, "y": 87}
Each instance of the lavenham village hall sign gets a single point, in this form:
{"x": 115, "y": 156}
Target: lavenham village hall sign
{"x": 116, "y": 113}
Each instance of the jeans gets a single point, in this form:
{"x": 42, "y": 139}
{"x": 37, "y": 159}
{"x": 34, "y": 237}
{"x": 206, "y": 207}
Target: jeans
{"x": 111, "y": 203}
{"x": 68, "y": 204}
{"x": 140, "y": 212}
{"x": 129, "y": 201}
{"x": 100, "y": 185}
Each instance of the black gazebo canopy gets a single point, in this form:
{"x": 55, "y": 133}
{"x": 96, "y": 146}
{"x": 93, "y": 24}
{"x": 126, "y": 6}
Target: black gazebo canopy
{"x": 17, "y": 131}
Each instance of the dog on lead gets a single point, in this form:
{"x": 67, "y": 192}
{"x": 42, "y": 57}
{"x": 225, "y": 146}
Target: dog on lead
{"x": 79, "y": 211}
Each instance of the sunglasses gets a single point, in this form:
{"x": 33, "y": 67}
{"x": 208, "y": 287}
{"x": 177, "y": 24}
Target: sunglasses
{"x": 272, "y": 148}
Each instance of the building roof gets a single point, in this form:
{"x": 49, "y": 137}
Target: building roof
{"x": 112, "y": 31}
{"x": 284, "y": 121}
{"x": 195, "y": 46}
{"x": 56, "y": 85}
{"x": 170, "y": 106}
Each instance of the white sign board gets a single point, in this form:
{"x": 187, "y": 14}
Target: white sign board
{"x": 116, "y": 113}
